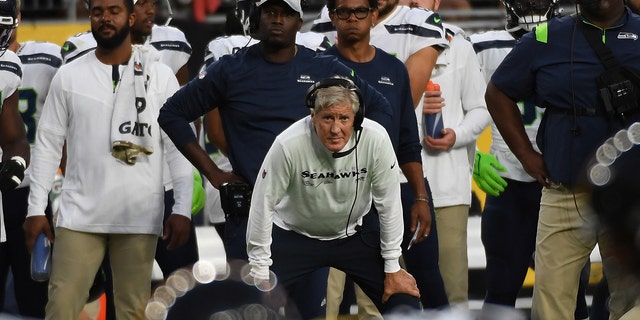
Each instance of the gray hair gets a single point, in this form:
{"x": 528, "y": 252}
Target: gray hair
{"x": 327, "y": 97}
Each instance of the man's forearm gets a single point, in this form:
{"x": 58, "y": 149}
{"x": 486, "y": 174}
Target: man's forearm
{"x": 508, "y": 120}
{"x": 415, "y": 177}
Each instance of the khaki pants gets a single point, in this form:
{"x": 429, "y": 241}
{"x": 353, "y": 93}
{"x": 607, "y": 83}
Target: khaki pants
{"x": 565, "y": 238}
{"x": 335, "y": 288}
{"x": 452, "y": 246}
{"x": 632, "y": 314}
{"x": 76, "y": 259}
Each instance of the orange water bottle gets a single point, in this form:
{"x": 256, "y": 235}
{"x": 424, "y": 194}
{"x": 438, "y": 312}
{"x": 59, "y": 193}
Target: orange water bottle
{"x": 432, "y": 123}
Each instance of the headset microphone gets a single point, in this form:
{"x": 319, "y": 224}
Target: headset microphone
{"x": 341, "y": 154}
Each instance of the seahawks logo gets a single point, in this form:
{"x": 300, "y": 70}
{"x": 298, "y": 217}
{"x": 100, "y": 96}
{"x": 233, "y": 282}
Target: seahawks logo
{"x": 627, "y": 36}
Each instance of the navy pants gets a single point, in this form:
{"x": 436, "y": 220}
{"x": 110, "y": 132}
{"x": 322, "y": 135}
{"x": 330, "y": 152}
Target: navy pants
{"x": 172, "y": 260}
{"x": 508, "y": 233}
{"x": 422, "y": 260}
{"x": 31, "y": 296}
{"x": 308, "y": 291}
{"x": 296, "y": 256}
{"x": 235, "y": 239}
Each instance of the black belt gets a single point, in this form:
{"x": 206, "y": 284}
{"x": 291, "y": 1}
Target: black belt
{"x": 579, "y": 111}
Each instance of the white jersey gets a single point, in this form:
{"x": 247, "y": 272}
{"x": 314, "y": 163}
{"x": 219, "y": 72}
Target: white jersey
{"x": 10, "y": 78}
{"x": 491, "y": 47}
{"x": 303, "y": 188}
{"x": 101, "y": 194}
{"x": 458, "y": 73}
{"x": 313, "y": 40}
{"x": 170, "y": 42}
{"x": 10, "y": 74}
{"x": 40, "y": 62}
{"x": 225, "y": 45}
{"x": 402, "y": 33}
{"x": 77, "y": 46}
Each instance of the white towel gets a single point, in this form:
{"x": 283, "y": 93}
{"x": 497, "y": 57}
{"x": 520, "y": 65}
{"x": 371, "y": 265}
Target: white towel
{"x": 131, "y": 121}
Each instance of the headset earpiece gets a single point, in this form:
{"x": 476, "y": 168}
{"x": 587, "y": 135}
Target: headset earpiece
{"x": 312, "y": 94}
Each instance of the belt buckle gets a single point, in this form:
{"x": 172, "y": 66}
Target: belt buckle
{"x": 554, "y": 185}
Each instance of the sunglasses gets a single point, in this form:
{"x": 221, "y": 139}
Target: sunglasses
{"x": 344, "y": 13}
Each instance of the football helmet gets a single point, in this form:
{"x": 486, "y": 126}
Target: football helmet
{"x": 524, "y": 15}
{"x": 8, "y": 22}
{"x": 246, "y": 11}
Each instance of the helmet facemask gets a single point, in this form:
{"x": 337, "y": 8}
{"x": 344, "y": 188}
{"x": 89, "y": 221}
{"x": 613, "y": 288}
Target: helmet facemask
{"x": 524, "y": 15}
{"x": 243, "y": 12}
{"x": 8, "y": 22}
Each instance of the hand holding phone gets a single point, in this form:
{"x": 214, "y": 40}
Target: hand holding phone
{"x": 415, "y": 236}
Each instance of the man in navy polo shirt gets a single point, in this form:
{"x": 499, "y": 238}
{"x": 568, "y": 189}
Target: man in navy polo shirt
{"x": 556, "y": 66}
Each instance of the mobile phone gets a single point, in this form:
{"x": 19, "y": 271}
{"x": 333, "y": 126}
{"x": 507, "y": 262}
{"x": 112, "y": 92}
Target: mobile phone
{"x": 415, "y": 236}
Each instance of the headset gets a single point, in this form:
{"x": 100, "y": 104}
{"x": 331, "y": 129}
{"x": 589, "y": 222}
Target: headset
{"x": 337, "y": 81}
{"x": 312, "y": 94}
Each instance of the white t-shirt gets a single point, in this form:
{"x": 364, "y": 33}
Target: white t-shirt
{"x": 100, "y": 193}
{"x": 491, "y": 48}
{"x": 10, "y": 78}
{"x": 40, "y": 62}
{"x": 458, "y": 73}
{"x": 170, "y": 42}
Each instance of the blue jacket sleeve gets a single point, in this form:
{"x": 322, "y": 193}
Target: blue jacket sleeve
{"x": 409, "y": 147}
{"x": 192, "y": 101}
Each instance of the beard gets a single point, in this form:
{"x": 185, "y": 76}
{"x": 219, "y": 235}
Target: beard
{"x": 114, "y": 41}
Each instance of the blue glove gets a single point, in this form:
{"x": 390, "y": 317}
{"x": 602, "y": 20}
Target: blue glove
{"x": 486, "y": 176}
